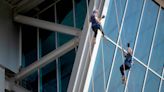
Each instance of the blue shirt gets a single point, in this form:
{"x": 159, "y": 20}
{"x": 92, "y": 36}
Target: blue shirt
{"x": 93, "y": 21}
{"x": 128, "y": 60}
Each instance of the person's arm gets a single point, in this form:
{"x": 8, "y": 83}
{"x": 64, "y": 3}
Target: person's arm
{"x": 98, "y": 19}
{"x": 125, "y": 54}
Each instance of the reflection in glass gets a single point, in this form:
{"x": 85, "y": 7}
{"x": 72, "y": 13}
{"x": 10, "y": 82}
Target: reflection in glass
{"x": 29, "y": 45}
{"x": 98, "y": 73}
{"x": 108, "y": 49}
{"x": 80, "y": 12}
{"x": 48, "y": 79}
{"x": 116, "y": 82}
{"x": 66, "y": 62}
{"x": 146, "y": 31}
{"x": 110, "y": 26}
{"x": 157, "y": 58}
{"x": 131, "y": 22}
{"x": 136, "y": 77}
{"x": 31, "y": 82}
{"x": 152, "y": 83}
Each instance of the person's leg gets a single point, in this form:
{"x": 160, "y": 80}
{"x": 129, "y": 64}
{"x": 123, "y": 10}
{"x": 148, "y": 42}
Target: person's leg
{"x": 100, "y": 28}
{"x": 122, "y": 69}
{"x": 95, "y": 31}
{"x": 127, "y": 67}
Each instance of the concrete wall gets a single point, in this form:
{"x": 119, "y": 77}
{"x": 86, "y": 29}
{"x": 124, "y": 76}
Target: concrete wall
{"x": 2, "y": 80}
{"x": 9, "y": 39}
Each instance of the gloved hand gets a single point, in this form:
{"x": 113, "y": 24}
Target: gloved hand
{"x": 103, "y": 16}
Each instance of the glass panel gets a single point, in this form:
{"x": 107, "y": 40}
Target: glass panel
{"x": 49, "y": 80}
{"x": 157, "y": 59}
{"x": 146, "y": 31}
{"x": 66, "y": 16}
{"x": 29, "y": 45}
{"x": 80, "y": 12}
{"x": 31, "y": 82}
{"x": 110, "y": 26}
{"x": 98, "y": 74}
{"x": 66, "y": 62}
{"x": 131, "y": 23}
{"x": 47, "y": 41}
{"x": 108, "y": 49}
{"x": 136, "y": 77}
{"x": 48, "y": 15}
{"x": 152, "y": 83}
{"x": 90, "y": 87}
{"x": 116, "y": 82}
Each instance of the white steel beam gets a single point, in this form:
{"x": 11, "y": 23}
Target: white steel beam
{"x": 47, "y": 59}
{"x": 82, "y": 53}
{"x": 47, "y": 25}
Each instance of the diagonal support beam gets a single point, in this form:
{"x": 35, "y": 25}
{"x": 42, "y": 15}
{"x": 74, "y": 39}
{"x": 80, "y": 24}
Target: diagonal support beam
{"x": 11, "y": 86}
{"x": 47, "y": 25}
{"x": 47, "y": 59}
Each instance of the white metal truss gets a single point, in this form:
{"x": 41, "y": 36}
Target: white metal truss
{"x": 47, "y": 59}
{"x": 82, "y": 54}
{"x": 47, "y": 25}
{"x": 92, "y": 63}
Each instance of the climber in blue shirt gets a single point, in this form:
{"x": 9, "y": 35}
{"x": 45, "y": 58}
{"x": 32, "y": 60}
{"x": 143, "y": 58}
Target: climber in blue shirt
{"x": 127, "y": 62}
{"x": 96, "y": 22}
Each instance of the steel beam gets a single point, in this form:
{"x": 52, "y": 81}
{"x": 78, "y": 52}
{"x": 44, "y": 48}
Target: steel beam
{"x": 47, "y": 59}
{"x": 26, "y": 5}
{"x": 11, "y": 86}
{"x": 47, "y": 25}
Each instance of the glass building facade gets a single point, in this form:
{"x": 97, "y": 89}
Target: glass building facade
{"x": 36, "y": 43}
{"x": 141, "y": 23}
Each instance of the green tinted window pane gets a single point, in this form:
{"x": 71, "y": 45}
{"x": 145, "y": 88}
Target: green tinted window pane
{"x": 48, "y": 15}
{"x": 152, "y": 82}
{"x": 29, "y": 45}
{"x": 146, "y": 31}
{"x": 66, "y": 62}
{"x": 48, "y": 78}
{"x": 47, "y": 41}
{"x": 157, "y": 59}
{"x": 136, "y": 77}
{"x": 80, "y": 12}
{"x": 31, "y": 82}
{"x": 65, "y": 14}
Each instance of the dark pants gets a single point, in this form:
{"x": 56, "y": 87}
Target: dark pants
{"x": 95, "y": 29}
{"x": 123, "y": 67}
